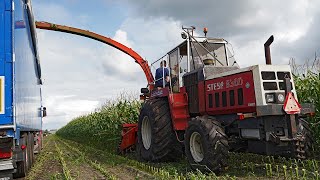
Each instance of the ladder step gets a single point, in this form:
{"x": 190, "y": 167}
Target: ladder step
{"x": 180, "y": 105}
{"x": 183, "y": 116}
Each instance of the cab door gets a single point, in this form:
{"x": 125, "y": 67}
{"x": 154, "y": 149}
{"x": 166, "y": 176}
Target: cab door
{"x": 174, "y": 68}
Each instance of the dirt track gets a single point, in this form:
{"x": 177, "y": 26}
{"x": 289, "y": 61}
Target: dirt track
{"x": 62, "y": 159}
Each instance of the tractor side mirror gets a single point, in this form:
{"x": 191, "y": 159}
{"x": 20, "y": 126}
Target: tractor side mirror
{"x": 144, "y": 90}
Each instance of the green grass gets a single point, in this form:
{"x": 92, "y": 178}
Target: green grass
{"x": 66, "y": 170}
{"x": 84, "y": 159}
{"x": 40, "y": 161}
{"x": 95, "y": 155}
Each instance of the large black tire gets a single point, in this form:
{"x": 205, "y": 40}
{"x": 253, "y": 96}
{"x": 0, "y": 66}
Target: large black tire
{"x": 29, "y": 158}
{"x": 160, "y": 141}
{"x": 303, "y": 148}
{"x": 6, "y": 175}
{"x": 22, "y": 166}
{"x": 31, "y": 151}
{"x": 41, "y": 141}
{"x": 206, "y": 145}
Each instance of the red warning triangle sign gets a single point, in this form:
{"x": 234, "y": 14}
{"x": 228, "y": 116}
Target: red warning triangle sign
{"x": 291, "y": 105}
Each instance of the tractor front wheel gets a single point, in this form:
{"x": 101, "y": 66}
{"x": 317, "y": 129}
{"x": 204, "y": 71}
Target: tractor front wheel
{"x": 206, "y": 145}
{"x": 156, "y": 137}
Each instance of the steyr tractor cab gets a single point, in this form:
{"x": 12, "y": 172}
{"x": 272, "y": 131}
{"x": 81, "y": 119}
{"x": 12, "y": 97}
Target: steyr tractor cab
{"x": 210, "y": 106}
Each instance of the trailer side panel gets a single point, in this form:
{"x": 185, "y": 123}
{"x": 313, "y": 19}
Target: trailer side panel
{"x": 6, "y": 54}
{"x": 27, "y": 88}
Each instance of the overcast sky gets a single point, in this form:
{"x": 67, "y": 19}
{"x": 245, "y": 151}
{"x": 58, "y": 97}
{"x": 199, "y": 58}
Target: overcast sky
{"x": 81, "y": 74}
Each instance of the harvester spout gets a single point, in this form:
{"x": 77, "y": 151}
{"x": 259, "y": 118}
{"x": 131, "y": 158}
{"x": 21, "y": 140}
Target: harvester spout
{"x": 66, "y": 29}
{"x": 267, "y": 49}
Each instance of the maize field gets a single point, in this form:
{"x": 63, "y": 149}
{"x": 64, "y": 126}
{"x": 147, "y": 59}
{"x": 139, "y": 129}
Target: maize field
{"x": 308, "y": 89}
{"x": 103, "y": 127}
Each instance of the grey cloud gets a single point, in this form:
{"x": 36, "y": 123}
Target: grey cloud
{"x": 242, "y": 22}
{"x": 219, "y": 16}
{"x": 308, "y": 45}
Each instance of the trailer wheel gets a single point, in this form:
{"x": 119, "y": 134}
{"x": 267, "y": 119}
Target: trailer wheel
{"x": 22, "y": 166}
{"x": 206, "y": 145}
{"x": 304, "y": 147}
{"x": 41, "y": 141}
{"x": 156, "y": 137}
{"x": 31, "y": 149}
{"x": 28, "y": 151}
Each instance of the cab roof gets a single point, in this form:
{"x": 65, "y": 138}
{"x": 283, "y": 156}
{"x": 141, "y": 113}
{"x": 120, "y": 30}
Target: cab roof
{"x": 183, "y": 46}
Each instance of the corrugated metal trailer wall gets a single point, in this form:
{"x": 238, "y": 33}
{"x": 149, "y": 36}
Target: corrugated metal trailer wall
{"x": 27, "y": 95}
{"x": 20, "y": 97}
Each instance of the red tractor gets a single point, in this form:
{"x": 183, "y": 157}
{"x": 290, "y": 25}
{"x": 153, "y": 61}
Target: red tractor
{"x": 210, "y": 106}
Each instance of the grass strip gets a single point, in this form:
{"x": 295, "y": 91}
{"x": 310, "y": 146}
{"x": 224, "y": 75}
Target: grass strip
{"x": 93, "y": 164}
{"x": 41, "y": 159}
{"x": 116, "y": 159}
{"x": 66, "y": 170}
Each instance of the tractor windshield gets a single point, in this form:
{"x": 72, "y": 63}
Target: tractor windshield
{"x": 213, "y": 51}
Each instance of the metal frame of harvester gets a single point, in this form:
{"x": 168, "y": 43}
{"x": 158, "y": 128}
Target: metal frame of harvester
{"x": 210, "y": 106}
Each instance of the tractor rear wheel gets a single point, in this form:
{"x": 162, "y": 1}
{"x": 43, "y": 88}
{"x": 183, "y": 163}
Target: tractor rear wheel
{"x": 206, "y": 145}
{"x": 156, "y": 137}
{"x": 303, "y": 148}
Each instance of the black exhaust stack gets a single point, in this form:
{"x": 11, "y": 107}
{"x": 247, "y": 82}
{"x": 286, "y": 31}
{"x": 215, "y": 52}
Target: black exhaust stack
{"x": 267, "y": 49}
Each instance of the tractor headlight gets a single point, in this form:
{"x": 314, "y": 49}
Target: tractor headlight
{"x": 270, "y": 98}
{"x": 280, "y": 97}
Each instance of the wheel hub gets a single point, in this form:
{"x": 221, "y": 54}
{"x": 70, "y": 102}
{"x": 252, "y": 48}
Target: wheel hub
{"x": 146, "y": 132}
{"x": 196, "y": 147}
